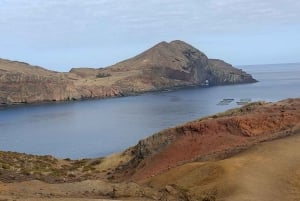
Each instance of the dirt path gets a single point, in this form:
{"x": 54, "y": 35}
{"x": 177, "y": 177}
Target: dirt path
{"x": 86, "y": 190}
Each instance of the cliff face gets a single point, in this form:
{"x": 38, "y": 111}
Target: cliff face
{"x": 22, "y": 83}
{"x": 224, "y": 73}
{"x": 164, "y": 66}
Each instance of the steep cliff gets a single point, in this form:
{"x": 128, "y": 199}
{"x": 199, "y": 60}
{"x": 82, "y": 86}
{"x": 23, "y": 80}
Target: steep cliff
{"x": 22, "y": 83}
{"x": 224, "y": 73}
{"x": 164, "y": 66}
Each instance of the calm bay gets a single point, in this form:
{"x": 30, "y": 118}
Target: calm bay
{"x": 100, "y": 127}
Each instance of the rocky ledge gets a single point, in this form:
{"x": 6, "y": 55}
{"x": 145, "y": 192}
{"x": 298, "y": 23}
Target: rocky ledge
{"x": 164, "y": 66}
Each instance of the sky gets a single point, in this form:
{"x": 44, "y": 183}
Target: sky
{"x": 60, "y": 35}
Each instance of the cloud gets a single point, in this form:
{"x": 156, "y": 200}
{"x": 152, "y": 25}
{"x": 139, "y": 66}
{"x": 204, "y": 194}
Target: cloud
{"x": 211, "y": 15}
{"x": 254, "y": 11}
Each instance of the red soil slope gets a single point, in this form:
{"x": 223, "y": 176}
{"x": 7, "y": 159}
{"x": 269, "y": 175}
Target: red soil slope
{"x": 215, "y": 137}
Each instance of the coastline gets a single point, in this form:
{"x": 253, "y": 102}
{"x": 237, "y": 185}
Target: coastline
{"x": 126, "y": 94}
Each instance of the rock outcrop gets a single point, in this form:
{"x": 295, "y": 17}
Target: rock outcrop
{"x": 224, "y": 73}
{"x": 164, "y": 66}
{"x": 22, "y": 83}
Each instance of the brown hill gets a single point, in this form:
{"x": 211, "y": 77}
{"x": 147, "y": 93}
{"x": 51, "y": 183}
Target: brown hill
{"x": 164, "y": 66}
{"x": 23, "y": 83}
{"x": 168, "y": 65}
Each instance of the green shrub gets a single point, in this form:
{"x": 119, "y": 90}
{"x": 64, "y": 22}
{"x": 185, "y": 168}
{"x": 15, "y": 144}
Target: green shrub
{"x": 101, "y": 75}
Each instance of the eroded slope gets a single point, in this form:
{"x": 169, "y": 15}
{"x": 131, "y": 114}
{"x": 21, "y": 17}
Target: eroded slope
{"x": 214, "y": 137}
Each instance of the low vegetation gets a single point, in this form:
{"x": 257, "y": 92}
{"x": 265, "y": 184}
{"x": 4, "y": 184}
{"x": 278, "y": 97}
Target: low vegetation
{"x": 102, "y": 75}
{"x": 17, "y": 166}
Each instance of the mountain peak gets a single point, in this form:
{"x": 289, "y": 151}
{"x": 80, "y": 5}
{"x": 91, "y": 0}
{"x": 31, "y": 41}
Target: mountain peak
{"x": 176, "y": 49}
{"x": 175, "y": 44}
{"x": 179, "y": 43}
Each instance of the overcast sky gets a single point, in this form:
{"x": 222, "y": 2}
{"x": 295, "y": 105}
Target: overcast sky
{"x": 60, "y": 34}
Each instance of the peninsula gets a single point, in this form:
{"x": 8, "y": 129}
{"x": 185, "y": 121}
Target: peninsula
{"x": 164, "y": 66}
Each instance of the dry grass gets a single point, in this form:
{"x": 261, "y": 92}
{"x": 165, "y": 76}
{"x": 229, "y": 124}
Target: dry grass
{"x": 21, "y": 167}
{"x": 105, "y": 81}
{"x": 113, "y": 161}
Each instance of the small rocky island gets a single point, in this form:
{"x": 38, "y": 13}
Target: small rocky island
{"x": 164, "y": 66}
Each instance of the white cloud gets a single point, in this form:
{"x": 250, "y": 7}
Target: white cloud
{"x": 256, "y": 11}
{"x": 134, "y": 14}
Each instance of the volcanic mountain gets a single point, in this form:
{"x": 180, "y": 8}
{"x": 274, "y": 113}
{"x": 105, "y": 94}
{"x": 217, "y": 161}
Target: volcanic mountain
{"x": 164, "y": 66}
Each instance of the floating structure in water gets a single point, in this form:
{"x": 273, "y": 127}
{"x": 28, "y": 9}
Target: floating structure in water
{"x": 242, "y": 101}
{"x": 226, "y": 101}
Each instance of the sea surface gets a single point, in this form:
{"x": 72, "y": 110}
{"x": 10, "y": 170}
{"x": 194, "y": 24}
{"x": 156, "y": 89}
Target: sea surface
{"x": 100, "y": 127}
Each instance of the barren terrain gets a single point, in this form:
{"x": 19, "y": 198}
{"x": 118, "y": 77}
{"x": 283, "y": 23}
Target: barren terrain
{"x": 268, "y": 171}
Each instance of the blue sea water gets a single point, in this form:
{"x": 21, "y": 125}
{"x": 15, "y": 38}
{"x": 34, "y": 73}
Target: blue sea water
{"x": 100, "y": 127}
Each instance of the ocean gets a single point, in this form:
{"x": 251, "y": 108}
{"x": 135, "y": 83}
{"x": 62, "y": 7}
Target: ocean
{"x": 96, "y": 128}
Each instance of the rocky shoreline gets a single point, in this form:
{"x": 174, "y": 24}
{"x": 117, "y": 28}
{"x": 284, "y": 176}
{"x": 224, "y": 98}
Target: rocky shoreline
{"x": 46, "y": 102}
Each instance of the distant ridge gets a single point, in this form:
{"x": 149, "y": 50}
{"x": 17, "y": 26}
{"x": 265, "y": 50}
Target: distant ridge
{"x": 270, "y": 64}
{"x": 164, "y": 66}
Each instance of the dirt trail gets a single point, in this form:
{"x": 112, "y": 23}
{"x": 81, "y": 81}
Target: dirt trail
{"x": 86, "y": 190}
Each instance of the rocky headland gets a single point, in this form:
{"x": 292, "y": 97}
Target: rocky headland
{"x": 164, "y": 66}
{"x": 248, "y": 153}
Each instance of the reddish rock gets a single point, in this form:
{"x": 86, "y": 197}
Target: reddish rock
{"x": 214, "y": 137}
